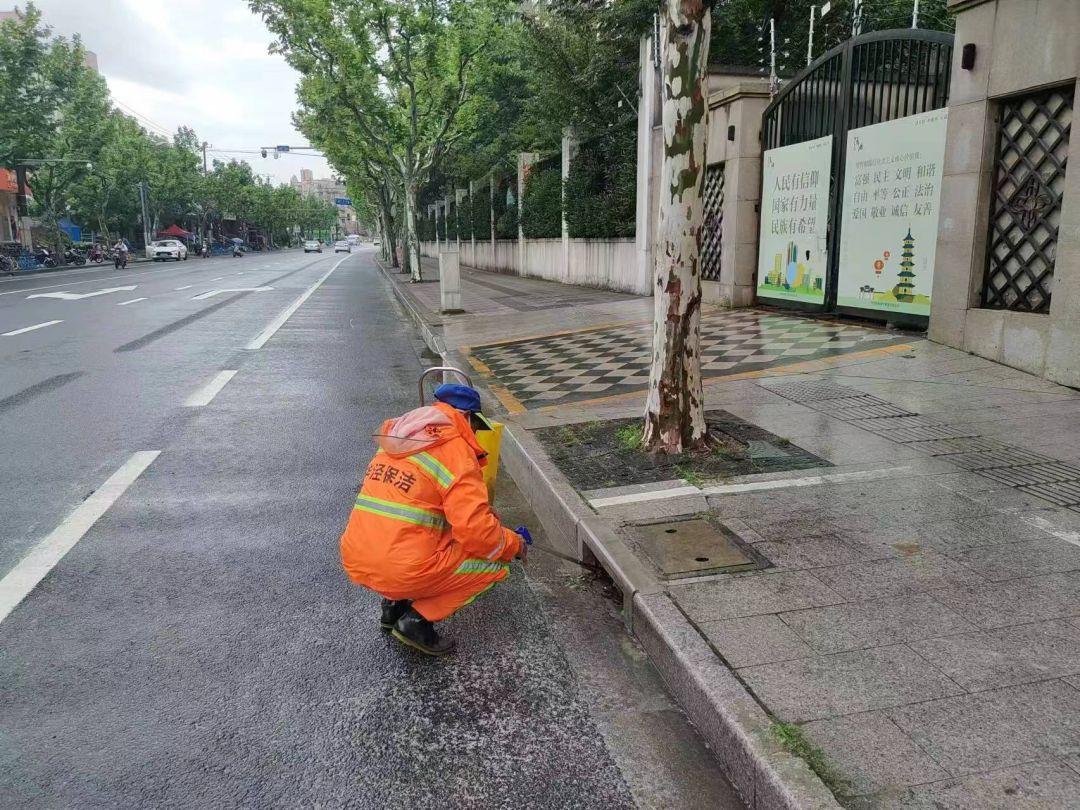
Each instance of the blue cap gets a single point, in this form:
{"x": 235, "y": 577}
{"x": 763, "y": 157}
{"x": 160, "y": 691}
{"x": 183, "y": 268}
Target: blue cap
{"x": 462, "y": 397}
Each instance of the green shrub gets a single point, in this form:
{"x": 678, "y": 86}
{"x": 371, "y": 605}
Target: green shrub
{"x": 481, "y": 213}
{"x": 541, "y": 204}
{"x": 506, "y": 226}
{"x": 451, "y": 221}
{"x": 600, "y": 191}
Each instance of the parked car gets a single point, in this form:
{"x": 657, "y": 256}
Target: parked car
{"x": 341, "y": 246}
{"x": 164, "y": 249}
{"x": 312, "y": 246}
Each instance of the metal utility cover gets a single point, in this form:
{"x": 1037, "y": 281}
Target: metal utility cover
{"x": 692, "y": 547}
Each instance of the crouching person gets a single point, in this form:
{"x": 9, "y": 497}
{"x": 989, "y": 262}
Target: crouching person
{"x": 422, "y": 533}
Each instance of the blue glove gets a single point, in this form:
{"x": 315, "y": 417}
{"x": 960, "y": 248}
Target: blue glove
{"x": 524, "y": 535}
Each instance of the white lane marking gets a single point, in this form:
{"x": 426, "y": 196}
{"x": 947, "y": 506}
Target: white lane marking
{"x": 753, "y": 486}
{"x": 808, "y": 481}
{"x": 656, "y": 495}
{"x": 43, "y": 557}
{"x": 217, "y": 278}
{"x": 240, "y": 273}
{"x": 1050, "y": 528}
{"x": 206, "y": 394}
{"x": 279, "y": 321}
{"x": 212, "y": 293}
{"x": 185, "y": 287}
{"x": 70, "y": 296}
{"x": 14, "y": 332}
{"x": 132, "y": 301}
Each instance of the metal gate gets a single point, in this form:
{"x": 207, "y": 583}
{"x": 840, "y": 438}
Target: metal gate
{"x": 872, "y": 78}
{"x": 713, "y": 235}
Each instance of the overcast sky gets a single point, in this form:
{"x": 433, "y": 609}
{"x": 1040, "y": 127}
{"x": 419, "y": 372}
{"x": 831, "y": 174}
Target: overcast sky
{"x": 202, "y": 63}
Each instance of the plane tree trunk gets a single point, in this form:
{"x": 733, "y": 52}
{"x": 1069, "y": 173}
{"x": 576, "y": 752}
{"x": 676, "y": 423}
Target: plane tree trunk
{"x": 675, "y": 407}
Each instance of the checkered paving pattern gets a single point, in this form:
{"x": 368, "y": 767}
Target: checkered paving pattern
{"x": 603, "y": 362}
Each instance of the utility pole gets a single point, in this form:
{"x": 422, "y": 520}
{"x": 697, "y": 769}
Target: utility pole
{"x": 915, "y": 15}
{"x": 143, "y": 195}
{"x": 204, "y": 145}
{"x": 856, "y": 18}
{"x": 810, "y": 41}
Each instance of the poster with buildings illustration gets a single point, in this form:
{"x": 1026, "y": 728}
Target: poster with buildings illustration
{"x": 892, "y": 192}
{"x": 794, "y": 221}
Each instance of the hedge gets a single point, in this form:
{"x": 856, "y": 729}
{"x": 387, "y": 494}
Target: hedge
{"x": 451, "y": 221}
{"x": 481, "y": 213}
{"x": 506, "y": 220}
{"x": 601, "y": 189}
{"x": 541, "y": 204}
{"x": 506, "y": 226}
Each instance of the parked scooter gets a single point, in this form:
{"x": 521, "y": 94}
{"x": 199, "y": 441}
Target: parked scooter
{"x": 237, "y": 252}
{"x": 73, "y": 256}
{"x": 44, "y": 258}
{"x": 96, "y": 255}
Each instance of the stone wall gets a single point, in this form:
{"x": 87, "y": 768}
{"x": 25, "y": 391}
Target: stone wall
{"x": 603, "y": 263}
{"x": 1020, "y": 46}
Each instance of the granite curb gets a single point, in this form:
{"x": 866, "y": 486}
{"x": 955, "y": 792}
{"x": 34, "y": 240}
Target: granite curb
{"x": 730, "y": 720}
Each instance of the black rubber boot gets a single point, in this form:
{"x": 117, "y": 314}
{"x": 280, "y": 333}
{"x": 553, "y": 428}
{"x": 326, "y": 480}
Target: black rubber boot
{"x": 420, "y": 634}
{"x": 392, "y": 610}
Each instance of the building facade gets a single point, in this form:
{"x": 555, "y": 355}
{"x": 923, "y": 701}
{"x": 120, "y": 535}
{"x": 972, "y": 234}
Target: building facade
{"x": 1007, "y": 282}
{"x": 328, "y": 189}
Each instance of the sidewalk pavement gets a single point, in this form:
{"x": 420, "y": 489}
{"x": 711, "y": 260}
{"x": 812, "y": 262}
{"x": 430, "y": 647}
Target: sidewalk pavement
{"x": 914, "y": 637}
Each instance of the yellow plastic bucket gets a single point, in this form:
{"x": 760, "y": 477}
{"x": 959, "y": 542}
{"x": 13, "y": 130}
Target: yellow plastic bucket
{"x": 490, "y": 441}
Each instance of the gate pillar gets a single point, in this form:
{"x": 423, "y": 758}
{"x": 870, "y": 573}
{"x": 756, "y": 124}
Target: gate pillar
{"x": 733, "y": 193}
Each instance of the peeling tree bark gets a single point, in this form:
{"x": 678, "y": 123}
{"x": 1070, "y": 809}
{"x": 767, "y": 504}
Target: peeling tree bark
{"x": 412, "y": 239}
{"x": 675, "y": 407}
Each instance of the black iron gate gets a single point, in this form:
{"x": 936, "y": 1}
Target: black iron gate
{"x": 872, "y": 78}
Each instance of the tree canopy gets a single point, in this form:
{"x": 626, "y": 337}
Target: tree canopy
{"x": 85, "y": 159}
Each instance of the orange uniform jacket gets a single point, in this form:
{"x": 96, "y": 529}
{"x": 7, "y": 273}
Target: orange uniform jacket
{"x": 422, "y": 527}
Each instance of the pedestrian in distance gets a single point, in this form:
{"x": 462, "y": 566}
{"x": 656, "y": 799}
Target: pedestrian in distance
{"x": 422, "y": 533}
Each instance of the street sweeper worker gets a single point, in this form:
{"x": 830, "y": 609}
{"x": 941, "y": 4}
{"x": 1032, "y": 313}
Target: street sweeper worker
{"x": 422, "y": 533}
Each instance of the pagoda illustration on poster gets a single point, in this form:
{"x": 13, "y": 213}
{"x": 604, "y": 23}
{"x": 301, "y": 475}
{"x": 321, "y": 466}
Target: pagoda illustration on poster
{"x": 903, "y": 291}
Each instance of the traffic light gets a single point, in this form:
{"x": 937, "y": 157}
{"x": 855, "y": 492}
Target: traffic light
{"x": 264, "y": 153}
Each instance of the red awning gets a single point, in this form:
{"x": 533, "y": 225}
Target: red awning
{"x": 175, "y": 231}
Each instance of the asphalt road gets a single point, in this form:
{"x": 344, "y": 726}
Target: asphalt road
{"x": 198, "y": 645}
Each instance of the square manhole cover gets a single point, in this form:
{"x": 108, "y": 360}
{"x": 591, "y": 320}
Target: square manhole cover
{"x": 697, "y": 546}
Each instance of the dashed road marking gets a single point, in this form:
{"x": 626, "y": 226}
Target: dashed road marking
{"x": 185, "y": 287}
{"x": 43, "y": 557}
{"x": 279, "y": 321}
{"x": 25, "y": 329}
{"x": 206, "y": 394}
{"x": 132, "y": 301}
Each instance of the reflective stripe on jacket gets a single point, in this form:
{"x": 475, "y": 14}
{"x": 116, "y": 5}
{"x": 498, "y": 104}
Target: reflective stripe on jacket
{"x": 423, "y": 510}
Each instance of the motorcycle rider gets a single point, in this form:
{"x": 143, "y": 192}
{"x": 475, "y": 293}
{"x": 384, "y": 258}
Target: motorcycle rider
{"x": 120, "y": 254}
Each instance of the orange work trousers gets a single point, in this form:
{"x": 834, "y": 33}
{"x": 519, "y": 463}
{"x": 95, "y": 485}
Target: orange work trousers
{"x": 447, "y": 592}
